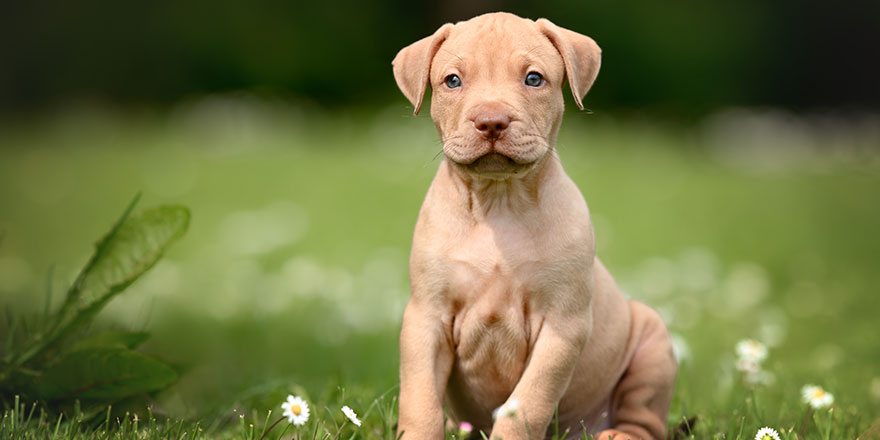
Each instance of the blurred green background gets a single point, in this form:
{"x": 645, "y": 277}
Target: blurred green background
{"x": 731, "y": 160}
{"x": 687, "y": 56}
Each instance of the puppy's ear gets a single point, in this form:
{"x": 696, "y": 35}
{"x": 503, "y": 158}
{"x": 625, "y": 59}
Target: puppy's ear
{"x": 580, "y": 54}
{"x": 412, "y": 65}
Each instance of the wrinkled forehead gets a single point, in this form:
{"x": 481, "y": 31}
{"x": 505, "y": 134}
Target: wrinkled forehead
{"x": 475, "y": 44}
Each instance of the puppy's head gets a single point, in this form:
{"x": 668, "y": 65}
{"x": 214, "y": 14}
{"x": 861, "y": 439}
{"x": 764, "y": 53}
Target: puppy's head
{"x": 497, "y": 88}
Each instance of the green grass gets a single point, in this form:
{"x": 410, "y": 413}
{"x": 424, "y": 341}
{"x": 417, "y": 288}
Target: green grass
{"x": 293, "y": 275}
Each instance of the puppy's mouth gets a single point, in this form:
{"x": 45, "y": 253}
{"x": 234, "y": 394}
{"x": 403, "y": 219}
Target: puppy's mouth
{"x": 494, "y": 159}
{"x": 494, "y": 163}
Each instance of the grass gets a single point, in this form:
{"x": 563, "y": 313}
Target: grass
{"x": 293, "y": 276}
{"x": 31, "y": 422}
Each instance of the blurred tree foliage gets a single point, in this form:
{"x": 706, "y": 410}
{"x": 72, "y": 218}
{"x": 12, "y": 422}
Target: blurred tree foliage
{"x": 687, "y": 56}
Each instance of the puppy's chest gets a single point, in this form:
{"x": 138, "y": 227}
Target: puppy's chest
{"x": 493, "y": 295}
{"x": 492, "y": 326}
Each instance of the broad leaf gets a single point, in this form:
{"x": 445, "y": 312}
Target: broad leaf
{"x": 103, "y": 374}
{"x": 134, "y": 248}
{"x": 120, "y": 339}
{"x": 131, "y": 248}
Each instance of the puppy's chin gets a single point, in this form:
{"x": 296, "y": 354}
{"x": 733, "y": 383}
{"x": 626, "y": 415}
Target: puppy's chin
{"x": 494, "y": 163}
{"x": 494, "y": 166}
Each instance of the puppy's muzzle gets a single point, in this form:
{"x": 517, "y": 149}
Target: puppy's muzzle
{"x": 491, "y": 123}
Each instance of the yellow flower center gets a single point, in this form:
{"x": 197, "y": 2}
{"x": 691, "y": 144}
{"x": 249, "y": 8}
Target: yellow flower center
{"x": 766, "y": 437}
{"x": 296, "y": 409}
{"x": 818, "y": 393}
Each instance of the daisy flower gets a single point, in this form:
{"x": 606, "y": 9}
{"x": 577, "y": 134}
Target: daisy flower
{"x": 751, "y": 350}
{"x": 816, "y": 397}
{"x": 351, "y": 415}
{"x": 759, "y": 377}
{"x": 508, "y": 409}
{"x": 766, "y": 433}
{"x": 296, "y": 410}
{"x": 464, "y": 429}
{"x": 747, "y": 365}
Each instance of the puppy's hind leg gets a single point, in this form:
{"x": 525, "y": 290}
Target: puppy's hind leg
{"x": 640, "y": 403}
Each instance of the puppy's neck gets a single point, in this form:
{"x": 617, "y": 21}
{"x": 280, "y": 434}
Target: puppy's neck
{"x": 485, "y": 197}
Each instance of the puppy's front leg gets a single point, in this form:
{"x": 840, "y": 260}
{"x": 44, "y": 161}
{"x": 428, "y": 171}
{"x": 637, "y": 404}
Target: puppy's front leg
{"x": 426, "y": 357}
{"x": 546, "y": 377}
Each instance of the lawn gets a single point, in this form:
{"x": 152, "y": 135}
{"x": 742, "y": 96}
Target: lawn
{"x": 293, "y": 275}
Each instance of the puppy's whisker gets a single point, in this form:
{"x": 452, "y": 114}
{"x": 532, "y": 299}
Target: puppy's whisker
{"x": 433, "y": 159}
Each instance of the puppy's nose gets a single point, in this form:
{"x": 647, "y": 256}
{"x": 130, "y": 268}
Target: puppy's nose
{"x": 491, "y": 124}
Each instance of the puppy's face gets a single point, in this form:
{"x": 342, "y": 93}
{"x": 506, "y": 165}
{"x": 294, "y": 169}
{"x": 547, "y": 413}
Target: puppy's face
{"x": 497, "y": 95}
{"x": 497, "y": 81}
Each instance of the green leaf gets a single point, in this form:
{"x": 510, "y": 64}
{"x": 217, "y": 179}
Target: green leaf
{"x": 133, "y": 246}
{"x": 103, "y": 374}
{"x": 129, "y": 251}
{"x": 121, "y": 339}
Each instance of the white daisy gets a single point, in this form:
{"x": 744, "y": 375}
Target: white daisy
{"x": 508, "y": 409}
{"x": 766, "y": 433}
{"x": 296, "y": 410}
{"x": 759, "y": 377}
{"x": 816, "y": 397}
{"x": 751, "y": 350}
{"x": 746, "y": 365}
{"x": 351, "y": 415}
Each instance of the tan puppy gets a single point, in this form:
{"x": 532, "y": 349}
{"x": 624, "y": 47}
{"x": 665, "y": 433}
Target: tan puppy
{"x": 509, "y": 302}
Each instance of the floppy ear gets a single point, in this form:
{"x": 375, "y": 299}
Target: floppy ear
{"x": 412, "y": 65}
{"x": 580, "y": 54}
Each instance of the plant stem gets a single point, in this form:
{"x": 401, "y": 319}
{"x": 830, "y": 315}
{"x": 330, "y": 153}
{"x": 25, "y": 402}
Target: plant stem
{"x": 271, "y": 427}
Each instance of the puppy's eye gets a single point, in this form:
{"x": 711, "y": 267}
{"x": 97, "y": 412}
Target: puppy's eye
{"x": 453, "y": 81}
{"x": 534, "y": 79}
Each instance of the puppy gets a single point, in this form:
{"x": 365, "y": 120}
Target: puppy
{"x": 509, "y": 302}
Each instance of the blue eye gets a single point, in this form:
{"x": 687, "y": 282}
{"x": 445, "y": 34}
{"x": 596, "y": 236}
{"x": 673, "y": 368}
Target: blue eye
{"x": 453, "y": 81}
{"x": 534, "y": 79}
